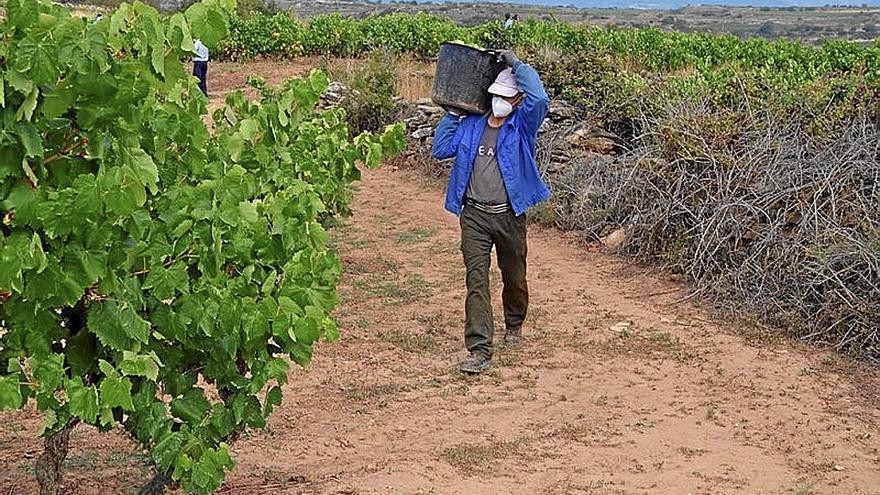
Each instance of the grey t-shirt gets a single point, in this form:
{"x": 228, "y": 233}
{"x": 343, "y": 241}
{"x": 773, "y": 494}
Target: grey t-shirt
{"x": 486, "y": 184}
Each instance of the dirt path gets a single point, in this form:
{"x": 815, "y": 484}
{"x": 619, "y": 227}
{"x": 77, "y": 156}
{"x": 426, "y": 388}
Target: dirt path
{"x": 618, "y": 390}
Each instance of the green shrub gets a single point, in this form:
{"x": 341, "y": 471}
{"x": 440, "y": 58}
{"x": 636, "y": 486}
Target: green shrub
{"x": 369, "y": 102}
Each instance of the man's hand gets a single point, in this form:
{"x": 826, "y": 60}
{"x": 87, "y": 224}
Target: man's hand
{"x": 509, "y": 58}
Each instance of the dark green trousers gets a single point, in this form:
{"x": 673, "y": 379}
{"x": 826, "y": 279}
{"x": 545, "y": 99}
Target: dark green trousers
{"x": 479, "y": 232}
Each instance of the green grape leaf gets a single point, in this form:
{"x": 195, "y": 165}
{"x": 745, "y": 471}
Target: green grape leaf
{"x": 133, "y": 364}
{"x": 94, "y": 264}
{"x": 57, "y": 103}
{"x": 41, "y": 58}
{"x": 144, "y": 168}
{"x": 179, "y": 27}
{"x": 277, "y": 369}
{"x": 24, "y": 201}
{"x": 108, "y": 369}
{"x": 209, "y": 25}
{"x": 48, "y": 371}
{"x": 308, "y": 328}
{"x": 166, "y": 282}
{"x": 22, "y": 13}
{"x": 26, "y": 110}
{"x": 331, "y": 330}
{"x": 10, "y": 392}
{"x": 248, "y": 212}
{"x": 157, "y": 57}
{"x": 192, "y": 407}
{"x": 273, "y": 399}
{"x": 37, "y": 255}
{"x": 181, "y": 229}
{"x": 207, "y": 471}
{"x": 269, "y": 283}
{"x": 19, "y": 82}
{"x": 83, "y": 400}
{"x": 301, "y": 354}
{"x": 30, "y": 139}
{"x": 116, "y": 327}
{"x": 50, "y": 421}
{"x": 235, "y": 145}
{"x": 167, "y": 449}
{"x": 10, "y": 271}
{"x": 289, "y": 306}
{"x": 116, "y": 392}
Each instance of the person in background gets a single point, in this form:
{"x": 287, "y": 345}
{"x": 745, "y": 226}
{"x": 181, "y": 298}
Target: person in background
{"x": 493, "y": 181}
{"x": 515, "y": 19}
{"x": 200, "y": 65}
{"x": 508, "y": 21}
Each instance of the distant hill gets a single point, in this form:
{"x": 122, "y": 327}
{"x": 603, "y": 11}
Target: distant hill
{"x": 667, "y": 4}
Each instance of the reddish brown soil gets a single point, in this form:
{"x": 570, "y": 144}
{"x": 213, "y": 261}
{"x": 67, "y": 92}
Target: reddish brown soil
{"x": 227, "y": 76}
{"x": 618, "y": 389}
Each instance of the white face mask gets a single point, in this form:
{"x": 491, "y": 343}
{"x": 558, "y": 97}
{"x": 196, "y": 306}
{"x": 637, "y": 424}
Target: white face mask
{"x": 500, "y": 107}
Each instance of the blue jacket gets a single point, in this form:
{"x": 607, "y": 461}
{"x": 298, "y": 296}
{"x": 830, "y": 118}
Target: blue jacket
{"x": 460, "y": 137}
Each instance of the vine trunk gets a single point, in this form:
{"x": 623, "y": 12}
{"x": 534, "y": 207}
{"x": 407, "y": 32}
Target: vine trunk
{"x": 48, "y": 468}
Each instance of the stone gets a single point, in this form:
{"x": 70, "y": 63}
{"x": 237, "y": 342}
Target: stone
{"x": 555, "y": 166}
{"x": 560, "y": 155}
{"x": 336, "y": 87}
{"x": 621, "y": 326}
{"x": 422, "y": 133}
{"x": 614, "y": 240}
{"x": 415, "y": 121}
{"x": 576, "y": 137}
{"x": 545, "y": 126}
{"x": 425, "y": 102}
{"x": 560, "y": 109}
{"x": 599, "y": 144}
{"x": 429, "y": 109}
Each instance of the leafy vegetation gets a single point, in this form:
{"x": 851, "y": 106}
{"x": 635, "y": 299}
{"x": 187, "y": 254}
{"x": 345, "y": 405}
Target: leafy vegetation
{"x": 281, "y": 34}
{"x": 607, "y": 70}
{"x": 157, "y": 275}
{"x": 369, "y": 91}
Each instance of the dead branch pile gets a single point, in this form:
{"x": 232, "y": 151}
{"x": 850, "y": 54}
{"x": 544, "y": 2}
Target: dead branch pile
{"x": 764, "y": 220}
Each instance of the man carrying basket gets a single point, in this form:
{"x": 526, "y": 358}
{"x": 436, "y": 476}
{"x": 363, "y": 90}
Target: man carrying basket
{"x": 494, "y": 180}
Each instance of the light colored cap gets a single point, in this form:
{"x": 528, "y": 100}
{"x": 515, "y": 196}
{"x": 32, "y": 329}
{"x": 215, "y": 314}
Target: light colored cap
{"x": 505, "y": 84}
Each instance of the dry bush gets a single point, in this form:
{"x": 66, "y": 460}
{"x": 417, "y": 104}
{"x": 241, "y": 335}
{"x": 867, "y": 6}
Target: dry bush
{"x": 415, "y": 78}
{"x": 762, "y": 217}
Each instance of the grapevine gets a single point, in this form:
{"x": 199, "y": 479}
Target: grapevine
{"x": 158, "y": 275}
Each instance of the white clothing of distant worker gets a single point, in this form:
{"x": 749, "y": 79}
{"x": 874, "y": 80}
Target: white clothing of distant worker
{"x": 200, "y": 65}
{"x": 508, "y": 23}
{"x": 201, "y": 51}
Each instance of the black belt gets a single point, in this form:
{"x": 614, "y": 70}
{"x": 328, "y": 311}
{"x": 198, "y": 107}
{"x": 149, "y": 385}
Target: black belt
{"x": 492, "y": 208}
